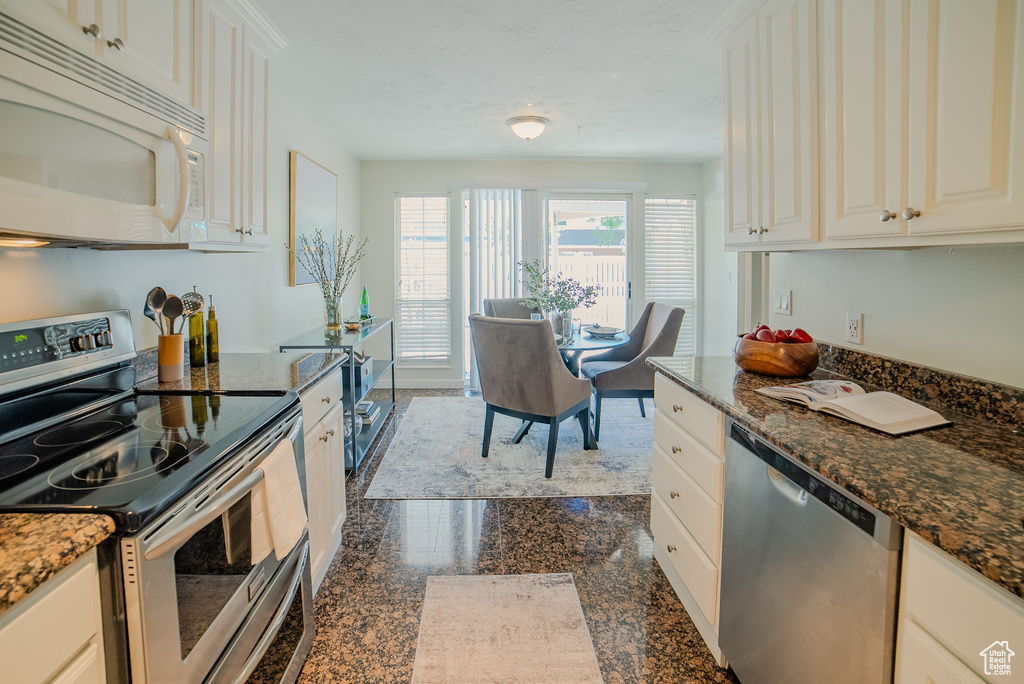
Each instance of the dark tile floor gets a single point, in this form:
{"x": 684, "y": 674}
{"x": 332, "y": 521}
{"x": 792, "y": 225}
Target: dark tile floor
{"x": 368, "y": 607}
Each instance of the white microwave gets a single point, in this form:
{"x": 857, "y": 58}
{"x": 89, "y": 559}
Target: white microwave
{"x": 89, "y": 156}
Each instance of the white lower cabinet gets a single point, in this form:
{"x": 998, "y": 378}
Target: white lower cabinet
{"x": 323, "y": 418}
{"x": 954, "y": 625}
{"x": 55, "y": 634}
{"x": 686, "y": 502}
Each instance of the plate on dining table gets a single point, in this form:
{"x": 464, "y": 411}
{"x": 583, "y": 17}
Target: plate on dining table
{"x": 601, "y": 332}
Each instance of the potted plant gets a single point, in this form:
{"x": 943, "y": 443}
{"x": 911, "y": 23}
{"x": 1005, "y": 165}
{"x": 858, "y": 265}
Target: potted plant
{"x": 557, "y": 294}
{"x": 332, "y": 265}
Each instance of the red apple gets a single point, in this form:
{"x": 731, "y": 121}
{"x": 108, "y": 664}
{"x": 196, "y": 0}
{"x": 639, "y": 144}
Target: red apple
{"x": 760, "y": 328}
{"x": 750, "y": 336}
{"x": 800, "y": 335}
{"x": 765, "y": 335}
{"x": 781, "y": 336}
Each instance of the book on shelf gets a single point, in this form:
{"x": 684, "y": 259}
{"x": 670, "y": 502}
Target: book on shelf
{"x": 370, "y": 415}
{"x": 364, "y": 406}
{"x": 882, "y": 411}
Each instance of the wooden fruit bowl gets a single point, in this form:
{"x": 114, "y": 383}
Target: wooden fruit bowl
{"x": 776, "y": 358}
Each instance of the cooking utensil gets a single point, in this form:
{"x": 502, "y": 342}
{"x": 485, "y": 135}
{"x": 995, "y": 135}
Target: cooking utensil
{"x": 173, "y": 309}
{"x": 154, "y": 303}
{"x": 192, "y": 302}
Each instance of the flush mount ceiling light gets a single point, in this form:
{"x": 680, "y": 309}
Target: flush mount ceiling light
{"x": 527, "y": 127}
{"x": 22, "y": 242}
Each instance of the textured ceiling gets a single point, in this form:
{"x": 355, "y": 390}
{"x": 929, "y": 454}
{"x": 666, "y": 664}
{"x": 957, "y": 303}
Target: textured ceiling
{"x": 437, "y": 79}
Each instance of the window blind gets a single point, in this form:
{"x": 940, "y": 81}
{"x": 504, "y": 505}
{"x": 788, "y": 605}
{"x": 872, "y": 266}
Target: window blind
{"x": 670, "y": 262}
{"x": 424, "y": 293}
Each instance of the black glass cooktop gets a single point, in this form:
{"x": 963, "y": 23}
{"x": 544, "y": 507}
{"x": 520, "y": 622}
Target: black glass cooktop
{"x": 130, "y": 459}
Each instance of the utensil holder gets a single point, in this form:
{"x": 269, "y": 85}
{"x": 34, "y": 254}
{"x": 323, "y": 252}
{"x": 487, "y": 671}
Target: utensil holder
{"x": 170, "y": 357}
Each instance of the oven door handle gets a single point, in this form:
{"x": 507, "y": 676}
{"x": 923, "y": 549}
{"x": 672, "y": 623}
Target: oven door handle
{"x": 176, "y": 535}
{"x": 275, "y": 625}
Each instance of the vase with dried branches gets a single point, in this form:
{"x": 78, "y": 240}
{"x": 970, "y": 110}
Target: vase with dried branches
{"x": 332, "y": 265}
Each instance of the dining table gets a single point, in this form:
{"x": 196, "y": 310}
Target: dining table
{"x": 573, "y": 348}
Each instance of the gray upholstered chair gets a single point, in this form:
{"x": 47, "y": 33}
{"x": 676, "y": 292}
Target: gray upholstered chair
{"x": 522, "y": 375}
{"x": 507, "y": 308}
{"x": 623, "y": 371}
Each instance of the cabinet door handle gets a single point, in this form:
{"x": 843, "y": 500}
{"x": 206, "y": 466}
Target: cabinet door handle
{"x": 324, "y": 438}
{"x": 326, "y": 400}
{"x": 673, "y": 495}
{"x": 117, "y": 44}
{"x": 675, "y": 449}
{"x": 751, "y": 231}
{"x": 886, "y": 215}
{"x": 761, "y": 230}
{"x": 671, "y": 548}
{"x": 239, "y": 230}
{"x": 910, "y": 213}
{"x": 330, "y": 433}
{"x": 91, "y": 30}
{"x": 676, "y": 408}
{"x": 248, "y": 232}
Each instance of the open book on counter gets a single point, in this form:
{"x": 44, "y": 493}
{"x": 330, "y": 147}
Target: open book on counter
{"x": 883, "y": 411}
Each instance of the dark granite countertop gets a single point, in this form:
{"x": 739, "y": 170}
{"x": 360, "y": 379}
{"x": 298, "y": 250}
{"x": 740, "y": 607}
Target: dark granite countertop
{"x": 267, "y": 372}
{"x": 961, "y": 486}
{"x": 35, "y": 547}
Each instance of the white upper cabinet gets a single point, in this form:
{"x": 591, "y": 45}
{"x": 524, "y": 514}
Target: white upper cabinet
{"x": 966, "y": 118}
{"x": 864, "y": 81}
{"x": 147, "y": 40}
{"x": 742, "y": 136}
{"x": 789, "y": 120}
{"x": 771, "y": 127}
{"x": 233, "y": 93}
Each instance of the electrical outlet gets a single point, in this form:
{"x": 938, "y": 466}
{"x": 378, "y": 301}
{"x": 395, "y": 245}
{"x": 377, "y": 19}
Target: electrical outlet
{"x": 783, "y": 302}
{"x": 854, "y": 327}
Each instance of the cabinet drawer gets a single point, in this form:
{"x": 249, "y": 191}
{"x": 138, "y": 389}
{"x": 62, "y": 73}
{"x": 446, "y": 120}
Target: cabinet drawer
{"x": 321, "y": 398}
{"x": 696, "y": 570}
{"x": 88, "y": 668}
{"x": 965, "y": 611}
{"x": 691, "y": 413}
{"x": 701, "y": 516}
{"x": 691, "y": 456}
{"x": 922, "y": 660}
{"x": 53, "y": 626}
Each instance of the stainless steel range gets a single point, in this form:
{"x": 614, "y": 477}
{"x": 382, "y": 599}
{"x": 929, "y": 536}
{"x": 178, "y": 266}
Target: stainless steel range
{"x": 183, "y": 599}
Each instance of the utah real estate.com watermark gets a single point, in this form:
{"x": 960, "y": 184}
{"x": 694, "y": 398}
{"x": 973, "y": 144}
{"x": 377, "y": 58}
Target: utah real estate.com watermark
{"x": 997, "y": 658}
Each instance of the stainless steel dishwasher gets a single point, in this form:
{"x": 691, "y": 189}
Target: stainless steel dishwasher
{"x": 809, "y": 574}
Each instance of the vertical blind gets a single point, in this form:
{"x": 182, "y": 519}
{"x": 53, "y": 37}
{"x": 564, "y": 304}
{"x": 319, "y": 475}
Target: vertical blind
{"x": 494, "y": 227}
{"x": 424, "y": 292}
{"x": 670, "y": 262}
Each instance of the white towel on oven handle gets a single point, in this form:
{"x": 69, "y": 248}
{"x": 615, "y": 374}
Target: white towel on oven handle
{"x": 278, "y": 511}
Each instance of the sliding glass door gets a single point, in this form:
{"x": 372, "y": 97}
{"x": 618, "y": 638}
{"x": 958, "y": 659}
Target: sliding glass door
{"x": 587, "y": 238}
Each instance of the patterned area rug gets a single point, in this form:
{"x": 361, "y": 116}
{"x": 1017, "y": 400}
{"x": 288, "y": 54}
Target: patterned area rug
{"x": 526, "y": 629}
{"x": 435, "y": 454}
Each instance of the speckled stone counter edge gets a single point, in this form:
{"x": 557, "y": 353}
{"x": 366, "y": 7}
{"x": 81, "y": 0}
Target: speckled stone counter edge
{"x": 1000, "y": 404}
{"x": 35, "y": 547}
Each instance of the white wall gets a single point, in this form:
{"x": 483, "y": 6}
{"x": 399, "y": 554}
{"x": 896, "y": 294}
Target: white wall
{"x": 719, "y": 268}
{"x": 256, "y": 308}
{"x": 959, "y": 310}
{"x": 381, "y": 180}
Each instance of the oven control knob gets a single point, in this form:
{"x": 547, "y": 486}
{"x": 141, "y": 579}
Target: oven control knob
{"x": 103, "y": 339}
{"x": 83, "y": 343}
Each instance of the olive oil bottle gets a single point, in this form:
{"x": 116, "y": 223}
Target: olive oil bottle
{"x": 196, "y": 340}
{"x": 212, "y": 336}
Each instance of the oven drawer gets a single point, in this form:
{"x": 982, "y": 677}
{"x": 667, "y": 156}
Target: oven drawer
{"x": 53, "y": 625}
{"x": 701, "y": 516}
{"x": 698, "y": 572}
{"x": 321, "y": 398}
{"x": 706, "y": 469}
{"x": 690, "y": 413}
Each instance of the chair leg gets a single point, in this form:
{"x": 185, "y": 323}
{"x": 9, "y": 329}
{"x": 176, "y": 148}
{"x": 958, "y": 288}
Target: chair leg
{"x": 584, "y": 418}
{"x": 523, "y": 430}
{"x": 488, "y": 424}
{"x": 552, "y": 443}
{"x": 643, "y": 410}
{"x": 597, "y": 416}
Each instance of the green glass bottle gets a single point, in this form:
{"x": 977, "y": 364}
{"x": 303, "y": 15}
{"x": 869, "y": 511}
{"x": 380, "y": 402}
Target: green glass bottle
{"x": 212, "y": 336}
{"x": 196, "y": 340}
{"x": 364, "y": 305}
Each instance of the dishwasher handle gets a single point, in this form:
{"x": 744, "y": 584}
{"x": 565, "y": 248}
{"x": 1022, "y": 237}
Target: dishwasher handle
{"x": 796, "y": 494}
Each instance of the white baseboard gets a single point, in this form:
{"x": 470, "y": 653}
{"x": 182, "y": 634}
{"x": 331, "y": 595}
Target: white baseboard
{"x": 428, "y": 384}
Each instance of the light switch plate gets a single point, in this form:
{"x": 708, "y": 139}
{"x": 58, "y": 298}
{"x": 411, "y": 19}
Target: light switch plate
{"x": 784, "y": 302}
